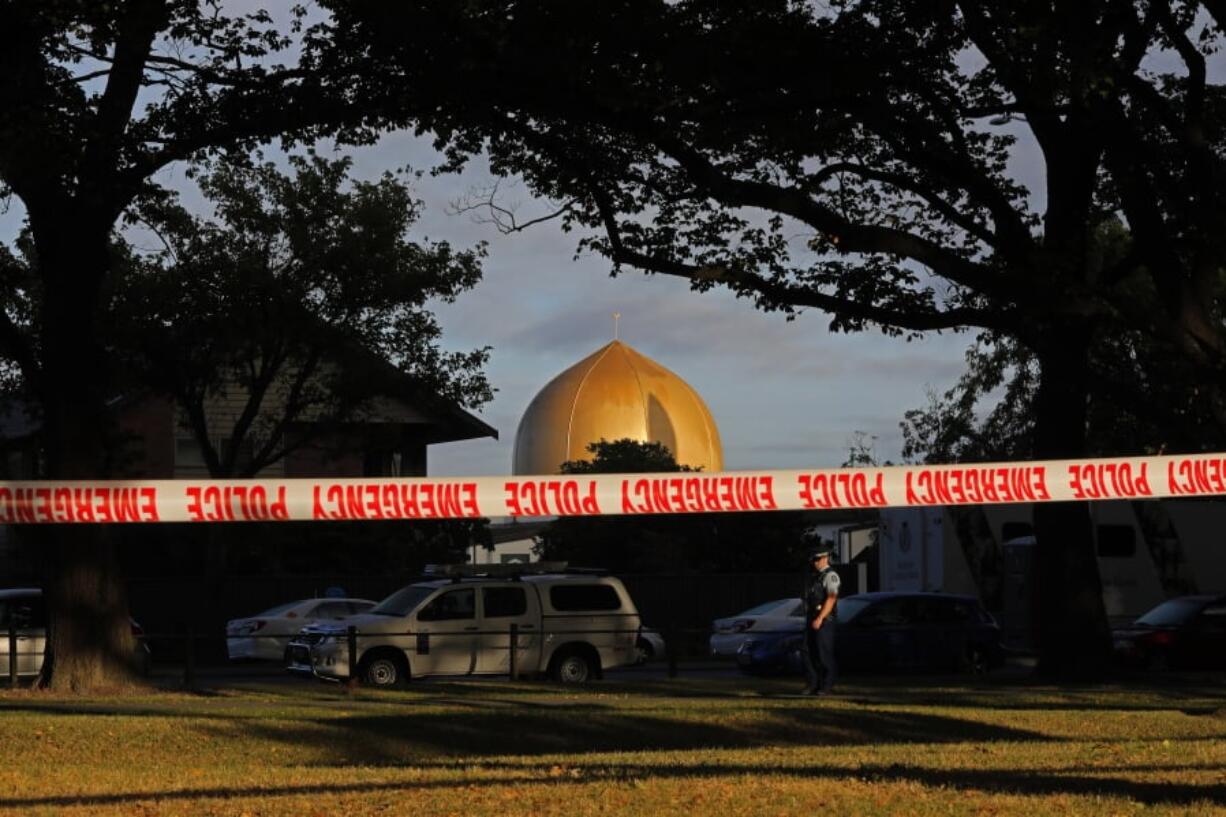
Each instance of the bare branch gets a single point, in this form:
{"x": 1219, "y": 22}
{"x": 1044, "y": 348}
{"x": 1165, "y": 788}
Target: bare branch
{"x": 501, "y": 216}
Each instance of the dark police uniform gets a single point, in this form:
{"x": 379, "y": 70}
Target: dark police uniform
{"x": 819, "y": 662}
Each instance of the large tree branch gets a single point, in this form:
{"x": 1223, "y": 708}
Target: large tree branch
{"x": 260, "y": 111}
{"x": 790, "y": 295}
{"x": 262, "y": 376}
{"x": 295, "y": 403}
{"x": 852, "y": 237}
{"x": 1037, "y": 107}
{"x": 141, "y": 21}
{"x": 15, "y": 345}
{"x": 905, "y": 183}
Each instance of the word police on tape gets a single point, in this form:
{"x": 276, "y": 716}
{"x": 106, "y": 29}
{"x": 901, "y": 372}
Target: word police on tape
{"x": 610, "y": 494}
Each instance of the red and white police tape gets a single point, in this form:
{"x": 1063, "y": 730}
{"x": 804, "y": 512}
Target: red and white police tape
{"x": 610, "y": 494}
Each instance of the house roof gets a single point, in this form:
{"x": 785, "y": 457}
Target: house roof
{"x": 20, "y": 419}
{"x": 454, "y": 421}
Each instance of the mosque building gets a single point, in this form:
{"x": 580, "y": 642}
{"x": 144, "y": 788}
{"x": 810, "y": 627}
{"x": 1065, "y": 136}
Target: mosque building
{"x": 615, "y": 393}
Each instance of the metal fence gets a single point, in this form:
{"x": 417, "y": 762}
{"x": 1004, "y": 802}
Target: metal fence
{"x": 185, "y": 661}
{"x": 685, "y": 603}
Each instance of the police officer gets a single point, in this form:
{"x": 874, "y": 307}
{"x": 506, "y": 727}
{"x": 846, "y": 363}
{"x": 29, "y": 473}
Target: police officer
{"x": 821, "y": 598}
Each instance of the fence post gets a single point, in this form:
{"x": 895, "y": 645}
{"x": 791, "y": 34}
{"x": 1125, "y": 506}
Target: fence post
{"x": 12, "y": 653}
{"x": 351, "y": 633}
{"x": 189, "y": 662}
{"x": 514, "y": 649}
{"x": 671, "y": 645}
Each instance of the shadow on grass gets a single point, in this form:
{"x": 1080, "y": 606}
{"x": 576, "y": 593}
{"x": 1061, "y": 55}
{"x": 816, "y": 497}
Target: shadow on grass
{"x": 396, "y": 739}
{"x": 1016, "y": 781}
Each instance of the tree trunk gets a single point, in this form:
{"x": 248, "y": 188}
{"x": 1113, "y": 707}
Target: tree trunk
{"x": 90, "y": 641}
{"x": 1073, "y": 635}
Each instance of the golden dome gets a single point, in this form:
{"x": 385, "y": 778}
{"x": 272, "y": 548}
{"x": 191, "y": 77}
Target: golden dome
{"x": 611, "y": 394}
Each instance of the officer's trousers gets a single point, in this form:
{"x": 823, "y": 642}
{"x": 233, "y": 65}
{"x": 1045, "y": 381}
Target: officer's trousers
{"x": 820, "y": 666}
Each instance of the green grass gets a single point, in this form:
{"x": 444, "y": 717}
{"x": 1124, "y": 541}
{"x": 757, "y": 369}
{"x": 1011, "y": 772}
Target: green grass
{"x": 721, "y": 746}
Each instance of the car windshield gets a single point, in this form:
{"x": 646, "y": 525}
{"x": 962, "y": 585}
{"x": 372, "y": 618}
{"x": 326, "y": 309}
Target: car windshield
{"x": 850, "y": 608}
{"x": 1170, "y": 613}
{"x": 280, "y": 608}
{"x": 403, "y": 601}
{"x": 763, "y": 609}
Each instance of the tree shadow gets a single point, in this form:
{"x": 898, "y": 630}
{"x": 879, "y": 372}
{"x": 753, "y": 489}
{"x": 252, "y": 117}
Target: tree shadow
{"x": 396, "y": 739}
{"x": 1017, "y": 781}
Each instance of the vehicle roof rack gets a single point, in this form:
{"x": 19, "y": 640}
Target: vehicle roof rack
{"x": 513, "y": 571}
{"x": 502, "y": 571}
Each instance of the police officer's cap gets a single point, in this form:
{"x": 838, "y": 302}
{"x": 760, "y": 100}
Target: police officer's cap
{"x": 818, "y": 551}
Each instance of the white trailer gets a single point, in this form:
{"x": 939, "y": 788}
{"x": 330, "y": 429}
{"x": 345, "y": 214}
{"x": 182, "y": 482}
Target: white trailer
{"x": 1147, "y": 552}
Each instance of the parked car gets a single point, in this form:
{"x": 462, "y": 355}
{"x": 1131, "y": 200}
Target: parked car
{"x": 23, "y": 609}
{"x": 893, "y": 632}
{"x": 728, "y": 634}
{"x": 1187, "y": 632}
{"x": 571, "y": 627}
{"x": 266, "y": 635}
{"x": 649, "y": 646}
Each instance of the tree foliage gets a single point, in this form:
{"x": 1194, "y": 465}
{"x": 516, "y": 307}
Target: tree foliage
{"x": 96, "y": 99}
{"x": 303, "y": 297}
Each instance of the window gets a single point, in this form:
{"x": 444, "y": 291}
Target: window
{"x": 280, "y": 609}
{"x": 1117, "y": 541}
{"x": 1173, "y": 613}
{"x": 1015, "y": 530}
{"x": 22, "y": 613}
{"x": 852, "y": 607}
{"x": 891, "y": 613}
{"x": 573, "y": 597}
{"x": 188, "y": 453}
{"x": 330, "y": 609}
{"x": 1213, "y": 618}
{"x": 951, "y": 611}
{"x": 453, "y": 605}
{"x": 403, "y": 601}
{"x": 504, "y": 602}
{"x": 769, "y": 607}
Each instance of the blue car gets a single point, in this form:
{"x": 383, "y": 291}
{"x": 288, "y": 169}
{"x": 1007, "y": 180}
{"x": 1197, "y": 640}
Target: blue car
{"x": 893, "y": 632}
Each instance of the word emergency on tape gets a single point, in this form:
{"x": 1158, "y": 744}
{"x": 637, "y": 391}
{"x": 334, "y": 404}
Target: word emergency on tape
{"x": 281, "y": 500}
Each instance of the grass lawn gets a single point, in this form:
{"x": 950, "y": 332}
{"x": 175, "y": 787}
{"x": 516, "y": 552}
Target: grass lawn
{"x": 716, "y": 746}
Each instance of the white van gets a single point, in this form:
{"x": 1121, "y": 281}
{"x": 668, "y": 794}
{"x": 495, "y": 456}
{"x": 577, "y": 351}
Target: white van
{"x": 571, "y": 627}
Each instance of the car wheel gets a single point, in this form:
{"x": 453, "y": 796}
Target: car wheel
{"x": 384, "y": 671}
{"x": 976, "y": 661}
{"x": 572, "y": 668}
{"x": 1158, "y": 661}
{"x": 643, "y": 651}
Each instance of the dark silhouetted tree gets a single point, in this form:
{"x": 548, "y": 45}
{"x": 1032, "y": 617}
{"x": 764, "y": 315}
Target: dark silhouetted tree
{"x": 303, "y": 301}
{"x": 96, "y": 99}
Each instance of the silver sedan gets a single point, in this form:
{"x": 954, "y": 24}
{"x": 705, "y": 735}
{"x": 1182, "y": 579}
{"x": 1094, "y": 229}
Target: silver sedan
{"x": 780, "y": 615}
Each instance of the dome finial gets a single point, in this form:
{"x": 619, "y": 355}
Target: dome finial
{"x": 617, "y": 316}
